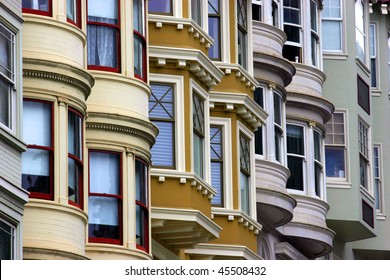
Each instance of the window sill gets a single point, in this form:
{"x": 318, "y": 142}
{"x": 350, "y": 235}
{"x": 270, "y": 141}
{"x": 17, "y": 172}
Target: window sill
{"x": 376, "y": 92}
{"x": 367, "y": 194}
{"x": 335, "y": 55}
{"x": 342, "y": 184}
{"x": 380, "y": 216}
{"x": 363, "y": 66}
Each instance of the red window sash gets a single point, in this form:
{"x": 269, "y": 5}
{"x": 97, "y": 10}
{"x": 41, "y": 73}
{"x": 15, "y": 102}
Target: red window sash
{"x": 78, "y": 15}
{"x": 39, "y": 12}
{"x": 143, "y": 59}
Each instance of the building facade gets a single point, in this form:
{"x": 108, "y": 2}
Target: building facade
{"x": 194, "y": 129}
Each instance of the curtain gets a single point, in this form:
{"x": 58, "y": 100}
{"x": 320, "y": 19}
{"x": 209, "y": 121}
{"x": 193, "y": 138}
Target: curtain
{"x": 6, "y": 49}
{"x": 141, "y": 180}
{"x": 103, "y": 211}
{"x": 244, "y": 189}
{"x": 104, "y": 173}
{"x": 74, "y": 135}
{"x": 70, "y": 10}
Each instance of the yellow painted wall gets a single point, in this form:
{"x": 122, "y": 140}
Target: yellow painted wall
{"x": 230, "y": 83}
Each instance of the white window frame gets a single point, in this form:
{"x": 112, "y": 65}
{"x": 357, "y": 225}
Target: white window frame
{"x": 379, "y": 194}
{"x": 340, "y": 182}
{"x": 365, "y": 152}
{"x": 12, "y": 82}
{"x": 227, "y": 186}
{"x": 320, "y": 162}
{"x": 178, "y": 88}
{"x": 13, "y": 238}
{"x": 363, "y": 32}
{"x": 259, "y": 3}
{"x": 299, "y": 26}
{"x": 243, "y": 130}
{"x": 331, "y": 52}
{"x": 203, "y": 13}
{"x": 373, "y": 55}
{"x": 248, "y": 48}
{"x": 316, "y": 35}
{"x": 195, "y": 87}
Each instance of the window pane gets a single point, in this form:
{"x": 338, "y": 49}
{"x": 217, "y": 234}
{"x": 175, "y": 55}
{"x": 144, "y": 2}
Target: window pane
{"x": 216, "y": 183}
{"x": 244, "y": 190}
{"x": 37, "y": 123}
{"x": 138, "y": 16}
{"x": 103, "y": 217}
{"x": 198, "y": 114}
{"x": 258, "y": 96}
{"x": 278, "y": 109}
{"x": 141, "y": 182}
{"x": 363, "y": 172}
{"x": 259, "y": 141}
{"x": 198, "y": 155}
{"x": 103, "y": 43}
{"x": 6, "y": 52}
{"x": 104, "y": 9}
{"x": 163, "y": 149}
{"x": 317, "y": 146}
{"x": 5, "y": 109}
{"x": 75, "y": 177}
{"x": 295, "y": 165}
{"x": 335, "y": 161}
{"x": 41, "y": 5}
{"x": 317, "y": 178}
{"x": 295, "y": 143}
{"x": 139, "y": 56}
{"x": 161, "y": 102}
{"x": 36, "y": 171}
{"x": 196, "y": 11}
{"x": 242, "y": 55}
{"x": 293, "y": 33}
{"x": 331, "y": 35}
{"x": 216, "y": 156}
{"x": 278, "y": 144}
{"x": 6, "y": 241}
{"x": 141, "y": 226}
{"x": 160, "y": 6}
{"x": 75, "y": 134}
{"x": 104, "y": 173}
{"x": 214, "y": 32}
{"x": 245, "y": 155}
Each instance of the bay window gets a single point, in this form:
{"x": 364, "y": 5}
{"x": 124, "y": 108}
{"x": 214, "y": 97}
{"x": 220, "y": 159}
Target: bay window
{"x": 103, "y": 35}
{"x": 139, "y": 39}
{"x": 73, "y": 12}
{"x": 142, "y": 204}
{"x": 245, "y": 174}
{"x": 292, "y": 50}
{"x": 216, "y": 155}
{"x": 40, "y": 7}
{"x": 75, "y": 158}
{"x": 160, "y": 7}
{"x": 7, "y": 75}
{"x": 214, "y": 21}
{"x": 7, "y": 240}
{"x": 332, "y": 26}
{"x": 198, "y": 116}
{"x": 295, "y": 156}
{"x": 37, "y": 161}
{"x": 105, "y": 197}
{"x": 242, "y": 29}
{"x": 360, "y": 17}
{"x": 161, "y": 113}
{"x": 364, "y": 154}
{"x": 335, "y": 146}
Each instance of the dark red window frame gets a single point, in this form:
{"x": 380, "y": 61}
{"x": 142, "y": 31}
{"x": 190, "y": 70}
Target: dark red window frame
{"x": 78, "y": 14}
{"x": 144, "y": 208}
{"x": 39, "y": 12}
{"x": 50, "y": 195}
{"x": 119, "y": 197}
{"x": 118, "y": 37}
{"x": 79, "y": 163}
{"x": 142, "y": 37}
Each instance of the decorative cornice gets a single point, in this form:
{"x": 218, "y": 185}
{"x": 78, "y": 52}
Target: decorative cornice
{"x": 45, "y": 75}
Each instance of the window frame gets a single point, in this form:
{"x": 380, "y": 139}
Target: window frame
{"x": 12, "y": 238}
{"x": 363, "y": 95}
{"x": 259, "y": 5}
{"x": 117, "y": 28}
{"x": 242, "y": 34}
{"x": 378, "y": 179}
{"x": 246, "y": 173}
{"x": 77, "y": 6}
{"x": 289, "y": 43}
{"x": 315, "y": 37}
{"x": 364, "y": 155}
{"x": 362, "y": 32}
{"x": 170, "y": 13}
{"x": 119, "y": 197}
{"x": 198, "y": 132}
{"x": 220, "y": 161}
{"x": 10, "y": 82}
{"x": 142, "y": 37}
{"x": 318, "y": 163}
{"x": 338, "y": 146}
{"x": 217, "y": 16}
{"x": 373, "y": 56}
{"x": 260, "y": 99}
{"x": 302, "y": 157}
{"x": 39, "y": 12}
{"x": 144, "y": 205}
{"x": 78, "y": 162}
{"x": 278, "y": 127}
{"x": 50, "y": 150}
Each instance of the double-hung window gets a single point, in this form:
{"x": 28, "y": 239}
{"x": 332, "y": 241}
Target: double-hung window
{"x": 139, "y": 39}
{"x": 103, "y": 34}
{"x": 335, "y": 146}
{"x": 75, "y": 158}
{"x": 258, "y": 97}
{"x": 257, "y": 11}
{"x": 7, "y": 75}
{"x": 73, "y": 12}
{"x": 40, "y": 7}
{"x": 292, "y": 50}
{"x": 198, "y": 116}
{"x": 295, "y": 156}
{"x": 364, "y": 154}
{"x": 373, "y": 56}
{"x": 214, "y": 21}
{"x": 161, "y": 113}
{"x": 196, "y": 11}
{"x": 7, "y": 241}
{"x": 105, "y": 197}
{"x": 378, "y": 191}
{"x": 278, "y": 126}
{"x": 141, "y": 204}
{"x": 332, "y": 26}
{"x": 37, "y": 161}
{"x": 314, "y": 33}
{"x": 242, "y": 29}
{"x": 360, "y": 17}
{"x": 245, "y": 174}
{"x": 318, "y": 167}
{"x": 216, "y": 156}
{"x": 160, "y": 7}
